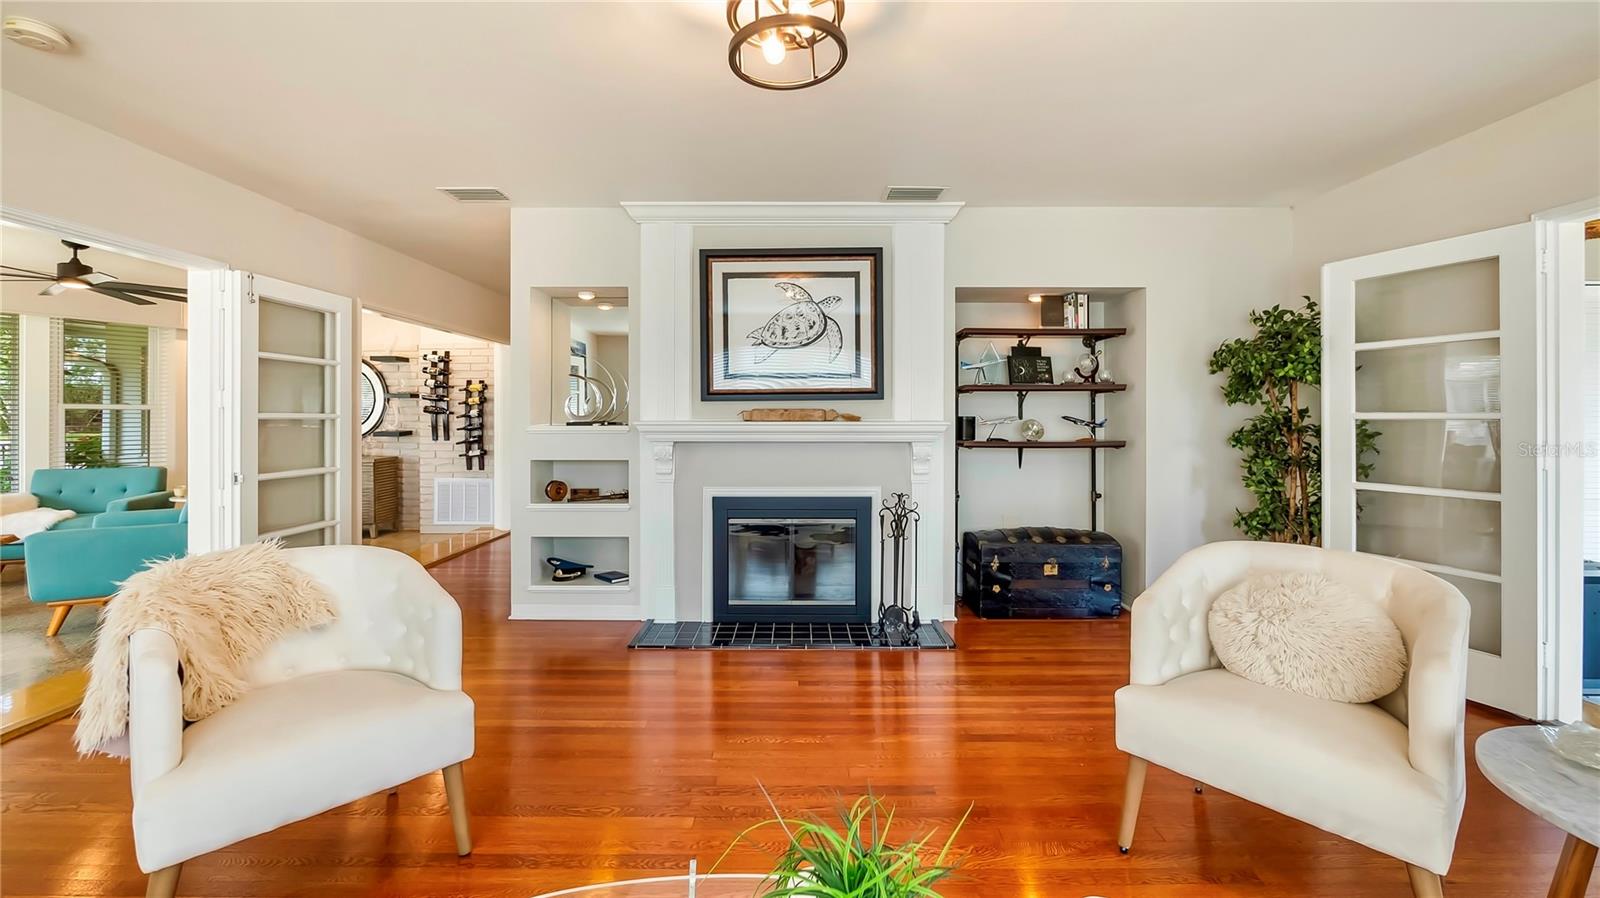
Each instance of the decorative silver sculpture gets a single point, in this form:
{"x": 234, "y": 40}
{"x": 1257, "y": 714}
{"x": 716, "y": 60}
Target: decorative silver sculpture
{"x": 898, "y": 619}
{"x": 597, "y": 400}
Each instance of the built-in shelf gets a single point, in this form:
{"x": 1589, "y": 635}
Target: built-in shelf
{"x": 605, "y": 475}
{"x": 391, "y": 433}
{"x": 586, "y": 584}
{"x": 1042, "y": 388}
{"x": 604, "y": 505}
{"x": 1092, "y": 333}
{"x": 387, "y": 358}
{"x": 1042, "y": 444}
{"x": 605, "y": 553}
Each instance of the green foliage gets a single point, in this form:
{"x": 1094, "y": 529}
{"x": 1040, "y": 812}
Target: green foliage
{"x": 1282, "y": 446}
{"x": 857, "y": 861}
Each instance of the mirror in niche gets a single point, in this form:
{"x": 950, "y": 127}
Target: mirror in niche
{"x": 374, "y": 398}
{"x": 593, "y": 389}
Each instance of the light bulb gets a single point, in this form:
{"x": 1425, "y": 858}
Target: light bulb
{"x": 586, "y": 295}
{"x": 73, "y": 283}
{"x": 605, "y": 307}
{"x": 1035, "y": 297}
{"x": 772, "y": 49}
{"x": 801, "y": 8}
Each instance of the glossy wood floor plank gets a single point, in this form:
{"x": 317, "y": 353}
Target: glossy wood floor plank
{"x": 597, "y": 763}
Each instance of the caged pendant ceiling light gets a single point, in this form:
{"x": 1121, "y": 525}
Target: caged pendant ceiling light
{"x": 792, "y": 43}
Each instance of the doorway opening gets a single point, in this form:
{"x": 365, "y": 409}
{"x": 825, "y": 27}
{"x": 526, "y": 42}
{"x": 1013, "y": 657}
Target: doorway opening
{"x": 427, "y": 412}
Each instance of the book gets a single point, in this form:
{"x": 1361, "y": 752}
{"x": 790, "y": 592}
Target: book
{"x": 612, "y": 577}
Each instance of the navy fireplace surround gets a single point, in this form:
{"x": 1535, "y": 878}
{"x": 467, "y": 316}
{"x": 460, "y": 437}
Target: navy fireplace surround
{"x": 791, "y": 559}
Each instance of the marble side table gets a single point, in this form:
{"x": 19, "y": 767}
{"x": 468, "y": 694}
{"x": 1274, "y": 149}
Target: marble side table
{"x": 1562, "y": 793}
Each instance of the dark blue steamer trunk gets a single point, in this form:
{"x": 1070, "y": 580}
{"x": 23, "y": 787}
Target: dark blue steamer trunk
{"x": 1041, "y": 572}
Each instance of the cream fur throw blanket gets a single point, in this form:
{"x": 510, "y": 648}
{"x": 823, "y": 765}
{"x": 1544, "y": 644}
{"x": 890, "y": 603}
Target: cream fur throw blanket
{"x": 222, "y": 609}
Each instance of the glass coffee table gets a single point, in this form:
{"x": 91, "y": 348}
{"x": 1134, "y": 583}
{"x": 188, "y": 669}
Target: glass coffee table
{"x": 706, "y": 885}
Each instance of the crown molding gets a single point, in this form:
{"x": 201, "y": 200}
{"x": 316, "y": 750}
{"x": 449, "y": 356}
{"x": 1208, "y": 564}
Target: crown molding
{"x": 792, "y": 213}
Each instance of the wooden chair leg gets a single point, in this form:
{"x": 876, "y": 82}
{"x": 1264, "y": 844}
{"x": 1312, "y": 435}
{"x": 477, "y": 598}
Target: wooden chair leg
{"x": 164, "y": 882}
{"x": 456, "y": 791}
{"x": 1574, "y": 869}
{"x": 58, "y": 616}
{"x": 1132, "y": 792}
{"x": 1425, "y": 883}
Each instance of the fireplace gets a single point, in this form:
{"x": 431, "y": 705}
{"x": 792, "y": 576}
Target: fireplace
{"x": 791, "y": 559}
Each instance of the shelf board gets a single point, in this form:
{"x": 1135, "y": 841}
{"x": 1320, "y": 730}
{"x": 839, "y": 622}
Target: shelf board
{"x": 1097, "y": 333}
{"x": 1041, "y": 388}
{"x": 1042, "y": 444}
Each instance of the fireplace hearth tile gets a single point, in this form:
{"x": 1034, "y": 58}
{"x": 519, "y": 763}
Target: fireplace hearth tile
{"x": 800, "y": 635}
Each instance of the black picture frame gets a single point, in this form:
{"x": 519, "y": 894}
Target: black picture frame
{"x": 708, "y": 353}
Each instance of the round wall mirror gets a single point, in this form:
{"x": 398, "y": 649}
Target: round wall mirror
{"x": 374, "y": 398}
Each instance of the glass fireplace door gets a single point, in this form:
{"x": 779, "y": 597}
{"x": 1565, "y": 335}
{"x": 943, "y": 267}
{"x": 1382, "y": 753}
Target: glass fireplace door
{"x": 791, "y": 560}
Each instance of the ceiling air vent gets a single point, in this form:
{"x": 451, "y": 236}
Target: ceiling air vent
{"x": 476, "y": 194}
{"x": 913, "y": 194}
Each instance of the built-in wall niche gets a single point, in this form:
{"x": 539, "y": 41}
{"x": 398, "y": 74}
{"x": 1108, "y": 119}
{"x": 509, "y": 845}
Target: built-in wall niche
{"x": 605, "y": 553}
{"x": 590, "y": 382}
{"x": 607, "y": 476}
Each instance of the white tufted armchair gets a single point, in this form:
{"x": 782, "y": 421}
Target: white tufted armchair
{"x": 334, "y": 714}
{"x": 1390, "y": 775}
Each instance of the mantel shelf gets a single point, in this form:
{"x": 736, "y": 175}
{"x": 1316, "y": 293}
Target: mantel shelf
{"x": 1042, "y": 388}
{"x": 1092, "y": 333}
{"x": 1042, "y": 444}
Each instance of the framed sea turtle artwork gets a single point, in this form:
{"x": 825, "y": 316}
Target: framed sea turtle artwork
{"x": 791, "y": 323}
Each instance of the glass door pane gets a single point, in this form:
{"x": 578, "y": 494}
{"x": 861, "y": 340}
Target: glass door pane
{"x": 293, "y": 330}
{"x": 1449, "y": 299}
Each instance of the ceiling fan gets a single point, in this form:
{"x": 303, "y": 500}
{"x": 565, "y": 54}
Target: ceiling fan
{"x": 76, "y": 275}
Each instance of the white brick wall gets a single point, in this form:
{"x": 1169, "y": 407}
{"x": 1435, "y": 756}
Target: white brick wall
{"x": 423, "y": 459}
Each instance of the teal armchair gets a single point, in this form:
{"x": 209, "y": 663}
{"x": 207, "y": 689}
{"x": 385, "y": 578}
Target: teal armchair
{"x": 90, "y": 492}
{"x": 85, "y": 565}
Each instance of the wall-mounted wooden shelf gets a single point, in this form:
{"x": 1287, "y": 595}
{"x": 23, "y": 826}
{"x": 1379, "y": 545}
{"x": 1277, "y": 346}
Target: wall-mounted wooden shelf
{"x": 1042, "y": 444}
{"x": 1090, "y": 333}
{"x": 1041, "y": 388}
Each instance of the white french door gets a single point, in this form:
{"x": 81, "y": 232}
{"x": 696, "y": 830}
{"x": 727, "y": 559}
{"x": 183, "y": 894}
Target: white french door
{"x": 292, "y": 455}
{"x": 1432, "y": 351}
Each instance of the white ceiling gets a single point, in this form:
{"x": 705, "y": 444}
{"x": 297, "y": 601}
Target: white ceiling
{"x": 355, "y": 112}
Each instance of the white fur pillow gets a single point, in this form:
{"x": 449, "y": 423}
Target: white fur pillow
{"x": 1307, "y": 634}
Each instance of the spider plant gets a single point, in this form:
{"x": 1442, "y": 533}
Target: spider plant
{"x": 851, "y": 859}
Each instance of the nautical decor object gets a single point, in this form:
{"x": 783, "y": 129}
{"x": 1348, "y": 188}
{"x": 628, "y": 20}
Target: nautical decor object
{"x": 563, "y": 570}
{"x": 787, "y": 35}
{"x": 796, "y": 414}
{"x": 898, "y": 618}
{"x": 1032, "y": 430}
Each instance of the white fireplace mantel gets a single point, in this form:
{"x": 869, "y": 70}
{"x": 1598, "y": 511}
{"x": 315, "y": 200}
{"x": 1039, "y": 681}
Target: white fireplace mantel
{"x": 657, "y": 483}
{"x": 918, "y": 377}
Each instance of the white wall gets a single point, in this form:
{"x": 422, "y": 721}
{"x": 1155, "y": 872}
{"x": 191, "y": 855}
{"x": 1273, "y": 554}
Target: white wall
{"x": 68, "y": 170}
{"x": 1541, "y": 158}
{"x": 1200, "y": 272}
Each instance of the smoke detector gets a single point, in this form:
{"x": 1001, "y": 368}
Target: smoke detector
{"x": 36, "y": 34}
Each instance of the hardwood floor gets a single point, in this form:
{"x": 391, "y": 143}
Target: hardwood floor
{"x": 597, "y": 763}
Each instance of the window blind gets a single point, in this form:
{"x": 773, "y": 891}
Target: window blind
{"x": 10, "y": 405}
{"x": 108, "y": 395}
